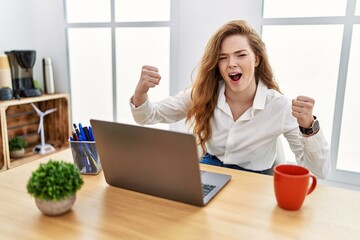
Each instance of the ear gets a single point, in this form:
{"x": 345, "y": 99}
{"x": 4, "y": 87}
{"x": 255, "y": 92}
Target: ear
{"x": 257, "y": 61}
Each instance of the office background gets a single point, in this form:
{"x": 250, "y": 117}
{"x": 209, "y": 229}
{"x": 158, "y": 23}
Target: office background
{"x": 42, "y": 25}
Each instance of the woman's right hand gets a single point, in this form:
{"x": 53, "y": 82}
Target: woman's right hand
{"x": 149, "y": 78}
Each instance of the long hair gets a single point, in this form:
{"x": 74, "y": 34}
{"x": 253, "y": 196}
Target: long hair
{"x": 205, "y": 87}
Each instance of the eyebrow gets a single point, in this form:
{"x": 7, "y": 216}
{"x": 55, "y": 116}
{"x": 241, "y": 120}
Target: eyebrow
{"x": 236, "y": 52}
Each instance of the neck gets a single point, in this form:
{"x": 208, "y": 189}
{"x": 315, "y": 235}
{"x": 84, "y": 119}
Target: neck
{"x": 239, "y": 102}
{"x": 244, "y": 97}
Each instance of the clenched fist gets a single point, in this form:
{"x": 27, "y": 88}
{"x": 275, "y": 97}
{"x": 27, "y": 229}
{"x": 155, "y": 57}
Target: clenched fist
{"x": 149, "y": 78}
{"x": 302, "y": 110}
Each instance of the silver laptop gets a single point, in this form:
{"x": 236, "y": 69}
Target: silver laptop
{"x": 156, "y": 162}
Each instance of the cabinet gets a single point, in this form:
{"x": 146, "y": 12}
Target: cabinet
{"x": 19, "y": 118}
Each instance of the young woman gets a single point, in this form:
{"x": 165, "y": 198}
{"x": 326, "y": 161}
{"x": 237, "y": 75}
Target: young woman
{"x": 236, "y": 108}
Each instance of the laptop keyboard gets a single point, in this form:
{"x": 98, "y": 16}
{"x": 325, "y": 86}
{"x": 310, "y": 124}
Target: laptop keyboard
{"x": 207, "y": 188}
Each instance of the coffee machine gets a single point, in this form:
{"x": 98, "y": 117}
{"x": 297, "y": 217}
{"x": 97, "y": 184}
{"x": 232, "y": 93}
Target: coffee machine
{"x": 21, "y": 64}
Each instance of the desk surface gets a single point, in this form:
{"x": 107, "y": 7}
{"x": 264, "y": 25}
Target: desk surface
{"x": 245, "y": 209}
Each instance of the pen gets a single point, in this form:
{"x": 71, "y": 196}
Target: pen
{"x": 82, "y": 132}
{"x": 77, "y": 131}
{"x": 91, "y": 134}
{"x": 74, "y": 136}
{"x": 86, "y": 131}
{"x": 90, "y": 159}
{"x": 83, "y": 156}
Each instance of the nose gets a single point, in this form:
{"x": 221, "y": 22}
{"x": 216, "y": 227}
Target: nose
{"x": 232, "y": 62}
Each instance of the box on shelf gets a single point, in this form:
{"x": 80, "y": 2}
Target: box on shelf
{"x": 19, "y": 118}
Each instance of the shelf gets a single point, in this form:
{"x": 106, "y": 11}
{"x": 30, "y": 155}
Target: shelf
{"x": 18, "y": 118}
{"x": 29, "y": 157}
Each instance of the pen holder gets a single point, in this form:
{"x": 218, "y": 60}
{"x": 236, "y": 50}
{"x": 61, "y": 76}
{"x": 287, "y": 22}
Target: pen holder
{"x": 86, "y": 157}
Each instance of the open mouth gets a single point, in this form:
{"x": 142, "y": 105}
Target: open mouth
{"x": 235, "y": 76}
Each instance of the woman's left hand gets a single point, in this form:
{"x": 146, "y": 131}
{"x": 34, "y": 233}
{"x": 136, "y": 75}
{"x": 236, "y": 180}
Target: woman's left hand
{"x": 302, "y": 108}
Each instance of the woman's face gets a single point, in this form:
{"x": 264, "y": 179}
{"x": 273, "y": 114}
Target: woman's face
{"x": 237, "y": 63}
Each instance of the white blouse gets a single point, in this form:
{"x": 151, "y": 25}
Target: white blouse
{"x": 250, "y": 141}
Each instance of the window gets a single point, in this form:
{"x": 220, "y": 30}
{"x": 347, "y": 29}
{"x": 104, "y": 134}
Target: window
{"x": 90, "y": 72}
{"x": 129, "y": 62}
{"x": 303, "y": 8}
{"x": 86, "y": 11}
{"x": 314, "y": 51}
{"x": 108, "y": 42}
{"x": 291, "y": 52}
{"x": 349, "y": 143}
{"x": 129, "y": 11}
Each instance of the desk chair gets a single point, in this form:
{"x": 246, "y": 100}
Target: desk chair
{"x": 280, "y": 155}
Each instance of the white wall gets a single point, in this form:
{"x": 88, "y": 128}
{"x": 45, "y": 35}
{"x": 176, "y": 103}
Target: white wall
{"x": 36, "y": 25}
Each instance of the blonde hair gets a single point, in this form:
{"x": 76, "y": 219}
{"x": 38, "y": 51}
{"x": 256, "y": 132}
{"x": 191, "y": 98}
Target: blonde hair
{"x": 204, "y": 90}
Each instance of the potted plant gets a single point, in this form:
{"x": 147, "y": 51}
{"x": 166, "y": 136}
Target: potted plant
{"x": 54, "y": 185}
{"x": 17, "y": 147}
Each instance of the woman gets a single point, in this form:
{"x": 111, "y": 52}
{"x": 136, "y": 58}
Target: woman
{"x": 236, "y": 108}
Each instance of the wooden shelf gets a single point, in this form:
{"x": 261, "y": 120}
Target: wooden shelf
{"x": 29, "y": 157}
{"x": 18, "y": 118}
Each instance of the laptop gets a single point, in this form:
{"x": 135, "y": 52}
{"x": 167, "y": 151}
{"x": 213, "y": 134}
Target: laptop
{"x": 156, "y": 162}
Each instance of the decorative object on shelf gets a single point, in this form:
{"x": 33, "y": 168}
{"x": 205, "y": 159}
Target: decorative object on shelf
{"x": 48, "y": 76}
{"x": 42, "y": 148}
{"x": 54, "y": 185}
{"x": 17, "y": 147}
{"x": 6, "y": 93}
{"x": 5, "y": 72}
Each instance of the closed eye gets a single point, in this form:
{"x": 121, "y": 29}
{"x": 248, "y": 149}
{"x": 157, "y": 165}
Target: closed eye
{"x": 242, "y": 55}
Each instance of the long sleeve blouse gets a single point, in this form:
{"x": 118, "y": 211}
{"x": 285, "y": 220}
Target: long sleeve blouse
{"x": 250, "y": 141}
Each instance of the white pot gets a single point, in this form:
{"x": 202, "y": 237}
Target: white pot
{"x": 54, "y": 208}
{"x": 17, "y": 153}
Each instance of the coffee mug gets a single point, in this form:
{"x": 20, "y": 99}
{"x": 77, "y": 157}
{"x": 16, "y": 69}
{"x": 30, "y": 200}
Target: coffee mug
{"x": 291, "y": 185}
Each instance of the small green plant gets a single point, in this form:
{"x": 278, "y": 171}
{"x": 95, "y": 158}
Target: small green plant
{"x": 17, "y": 143}
{"x": 54, "y": 181}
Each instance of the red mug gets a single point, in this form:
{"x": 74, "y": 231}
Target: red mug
{"x": 291, "y": 185}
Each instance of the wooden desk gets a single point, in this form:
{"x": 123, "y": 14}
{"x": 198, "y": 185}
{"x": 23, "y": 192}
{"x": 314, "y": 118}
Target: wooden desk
{"x": 245, "y": 209}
